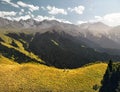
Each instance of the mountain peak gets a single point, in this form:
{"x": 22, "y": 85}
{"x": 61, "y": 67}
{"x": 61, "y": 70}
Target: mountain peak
{"x": 100, "y": 24}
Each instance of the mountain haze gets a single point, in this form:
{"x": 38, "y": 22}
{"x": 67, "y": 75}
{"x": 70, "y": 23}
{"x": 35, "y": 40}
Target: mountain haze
{"x": 57, "y": 44}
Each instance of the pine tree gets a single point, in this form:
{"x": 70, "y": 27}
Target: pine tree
{"x": 110, "y": 65}
{"x": 106, "y": 83}
{"x": 118, "y": 88}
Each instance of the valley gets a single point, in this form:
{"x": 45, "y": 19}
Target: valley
{"x": 55, "y": 43}
{"x": 59, "y": 45}
{"x": 50, "y": 56}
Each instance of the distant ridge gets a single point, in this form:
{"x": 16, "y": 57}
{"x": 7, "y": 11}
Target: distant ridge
{"x": 56, "y": 43}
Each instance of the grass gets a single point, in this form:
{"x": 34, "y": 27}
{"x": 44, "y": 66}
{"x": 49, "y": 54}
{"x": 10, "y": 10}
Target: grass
{"x": 55, "y": 43}
{"x": 8, "y": 40}
{"x": 22, "y": 50}
{"x": 4, "y": 60}
{"x": 30, "y": 77}
{"x": 39, "y": 78}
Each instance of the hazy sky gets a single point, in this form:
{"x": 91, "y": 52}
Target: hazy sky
{"x": 70, "y": 11}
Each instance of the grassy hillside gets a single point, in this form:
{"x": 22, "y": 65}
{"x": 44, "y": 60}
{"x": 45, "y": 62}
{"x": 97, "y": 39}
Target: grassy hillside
{"x": 39, "y": 78}
{"x": 15, "y": 48}
{"x": 4, "y": 60}
{"x": 52, "y": 48}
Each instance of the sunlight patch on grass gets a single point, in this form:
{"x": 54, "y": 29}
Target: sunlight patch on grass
{"x": 54, "y": 42}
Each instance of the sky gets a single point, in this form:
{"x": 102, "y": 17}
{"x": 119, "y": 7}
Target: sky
{"x": 68, "y": 11}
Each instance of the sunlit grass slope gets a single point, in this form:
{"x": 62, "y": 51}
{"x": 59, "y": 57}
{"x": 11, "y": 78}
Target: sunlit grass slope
{"x": 7, "y": 42}
{"x": 4, "y": 60}
{"x": 39, "y": 78}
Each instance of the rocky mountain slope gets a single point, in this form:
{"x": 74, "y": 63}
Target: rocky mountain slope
{"x": 58, "y": 44}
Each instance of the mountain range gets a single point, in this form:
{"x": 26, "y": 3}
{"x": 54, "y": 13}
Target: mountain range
{"x": 58, "y": 44}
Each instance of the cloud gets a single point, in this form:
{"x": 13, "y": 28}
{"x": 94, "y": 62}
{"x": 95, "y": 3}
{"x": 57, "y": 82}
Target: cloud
{"x": 27, "y": 16}
{"x": 112, "y": 19}
{"x": 9, "y": 18}
{"x": 31, "y": 15}
{"x": 22, "y": 17}
{"x": 54, "y": 11}
{"x": 42, "y": 7}
{"x": 65, "y": 21}
{"x": 21, "y": 12}
{"x": 4, "y": 13}
{"x": 41, "y": 18}
{"x": 31, "y": 7}
{"x": 81, "y": 22}
{"x": 78, "y": 9}
{"x": 12, "y": 4}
